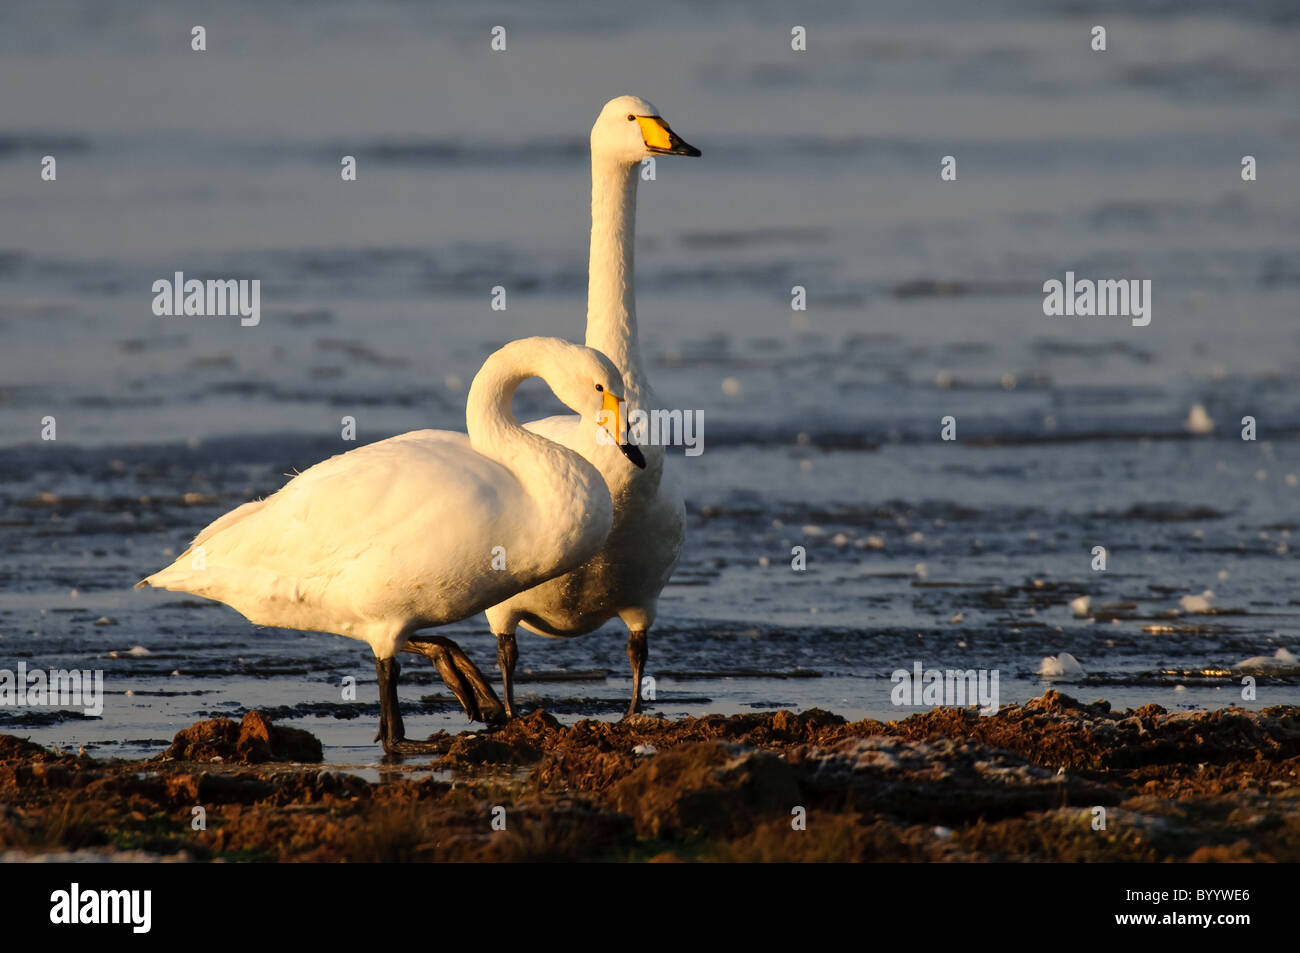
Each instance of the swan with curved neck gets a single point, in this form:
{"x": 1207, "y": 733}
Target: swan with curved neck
{"x": 625, "y": 578}
{"x": 423, "y": 529}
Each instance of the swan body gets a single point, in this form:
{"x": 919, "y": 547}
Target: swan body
{"x": 424, "y": 528}
{"x": 625, "y": 577}
{"x": 1280, "y": 662}
{"x": 1064, "y": 665}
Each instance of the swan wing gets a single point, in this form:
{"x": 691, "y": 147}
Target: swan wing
{"x": 425, "y": 502}
{"x": 562, "y": 429}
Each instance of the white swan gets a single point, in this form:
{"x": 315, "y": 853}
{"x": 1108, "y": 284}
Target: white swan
{"x": 424, "y": 528}
{"x": 1280, "y": 662}
{"x": 1064, "y": 665}
{"x": 625, "y": 579}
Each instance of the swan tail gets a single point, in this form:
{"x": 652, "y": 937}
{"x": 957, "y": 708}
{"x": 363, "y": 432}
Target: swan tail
{"x": 176, "y": 576}
{"x": 260, "y": 595}
{"x": 179, "y": 576}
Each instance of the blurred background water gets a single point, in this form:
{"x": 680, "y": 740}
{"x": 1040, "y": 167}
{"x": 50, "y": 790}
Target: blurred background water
{"x": 820, "y": 169}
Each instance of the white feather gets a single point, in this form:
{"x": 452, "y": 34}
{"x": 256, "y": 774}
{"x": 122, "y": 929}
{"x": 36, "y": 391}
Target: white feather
{"x": 400, "y": 535}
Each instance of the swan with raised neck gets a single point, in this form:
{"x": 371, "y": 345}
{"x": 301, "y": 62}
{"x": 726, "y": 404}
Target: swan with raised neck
{"x": 625, "y": 578}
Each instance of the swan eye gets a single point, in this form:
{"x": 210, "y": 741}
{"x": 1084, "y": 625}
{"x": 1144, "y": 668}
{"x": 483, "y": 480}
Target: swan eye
{"x": 599, "y": 388}
{"x": 631, "y": 118}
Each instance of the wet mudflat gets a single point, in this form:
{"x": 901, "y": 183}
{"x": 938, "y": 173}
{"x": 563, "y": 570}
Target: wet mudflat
{"x": 1054, "y": 779}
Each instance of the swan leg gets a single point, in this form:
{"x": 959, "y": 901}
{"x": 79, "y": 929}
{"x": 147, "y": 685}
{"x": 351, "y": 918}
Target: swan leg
{"x": 461, "y": 675}
{"x": 451, "y": 675}
{"x": 391, "y": 729}
{"x": 637, "y": 651}
{"x": 507, "y": 655}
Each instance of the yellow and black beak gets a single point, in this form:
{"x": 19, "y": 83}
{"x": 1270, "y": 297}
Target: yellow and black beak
{"x": 609, "y": 419}
{"x": 660, "y": 138}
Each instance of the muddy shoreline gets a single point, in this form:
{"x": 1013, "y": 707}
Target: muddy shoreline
{"x": 1032, "y": 783}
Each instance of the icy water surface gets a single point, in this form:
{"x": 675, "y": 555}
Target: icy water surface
{"x": 821, "y": 427}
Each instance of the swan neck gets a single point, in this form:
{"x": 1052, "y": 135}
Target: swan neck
{"x": 611, "y": 299}
{"x": 490, "y": 418}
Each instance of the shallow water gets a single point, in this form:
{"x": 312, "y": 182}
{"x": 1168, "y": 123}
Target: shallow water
{"x": 821, "y": 427}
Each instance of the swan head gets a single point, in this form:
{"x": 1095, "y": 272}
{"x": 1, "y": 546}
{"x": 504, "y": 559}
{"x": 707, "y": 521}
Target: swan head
{"x": 593, "y": 386}
{"x": 630, "y": 129}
